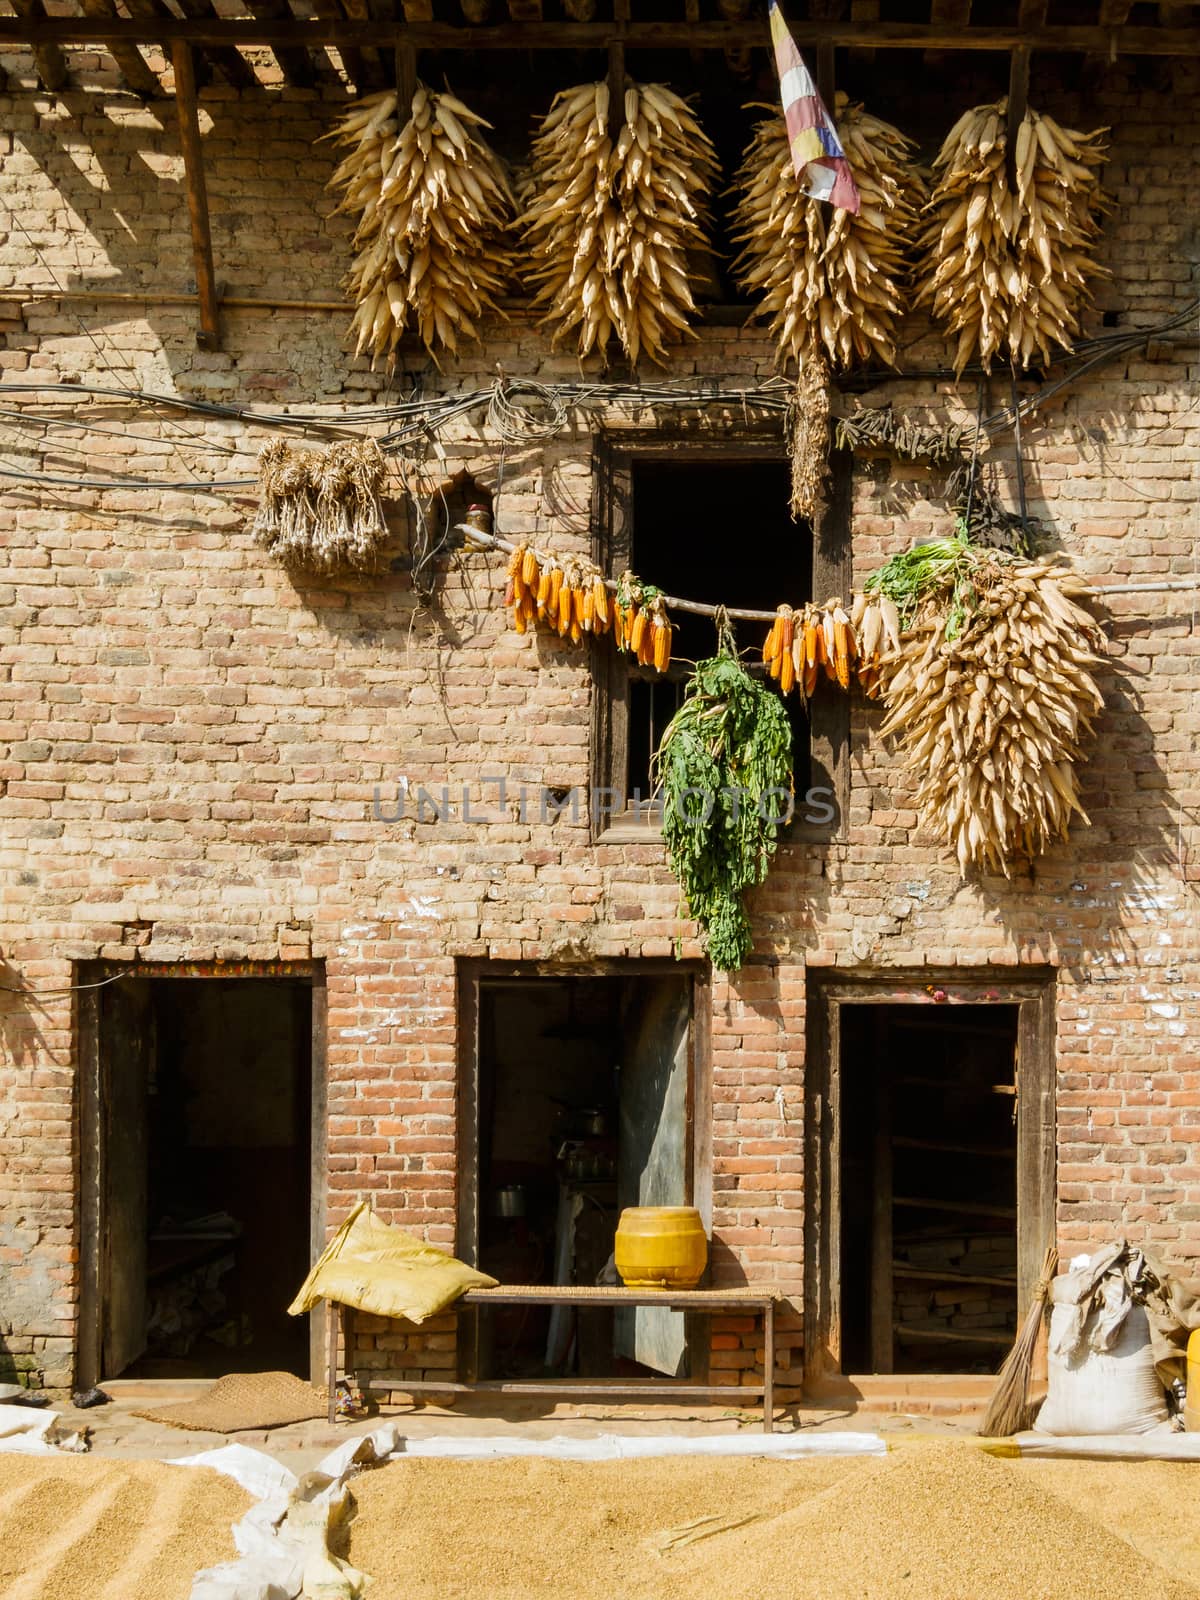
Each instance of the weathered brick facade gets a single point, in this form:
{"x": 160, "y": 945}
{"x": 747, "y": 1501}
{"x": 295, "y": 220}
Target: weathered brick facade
{"x": 192, "y": 739}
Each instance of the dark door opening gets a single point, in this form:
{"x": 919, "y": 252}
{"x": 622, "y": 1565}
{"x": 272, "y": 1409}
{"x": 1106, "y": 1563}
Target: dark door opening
{"x": 203, "y": 1227}
{"x": 928, "y": 1181}
{"x": 583, "y": 1108}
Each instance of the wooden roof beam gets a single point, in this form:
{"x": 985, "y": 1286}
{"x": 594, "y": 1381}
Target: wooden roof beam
{"x": 317, "y": 33}
{"x": 363, "y": 76}
{"x": 231, "y": 64}
{"x": 1113, "y": 15}
{"x": 864, "y": 11}
{"x": 944, "y": 14}
{"x": 294, "y": 62}
{"x": 134, "y": 68}
{"x": 375, "y": 74}
{"x": 48, "y": 58}
{"x": 208, "y": 336}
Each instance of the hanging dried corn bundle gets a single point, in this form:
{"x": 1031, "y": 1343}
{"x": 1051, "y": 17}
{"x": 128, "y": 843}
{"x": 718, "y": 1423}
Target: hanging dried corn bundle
{"x": 609, "y": 225}
{"x": 804, "y": 645}
{"x": 991, "y": 696}
{"x": 817, "y": 272}
{"x": 1010, "y": 273}
{"x": 433, "y": 206}
{"x": 572, "y": 598}
{"x": 321, "y": 509}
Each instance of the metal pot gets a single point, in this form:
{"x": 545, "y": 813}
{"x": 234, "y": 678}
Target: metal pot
{"x": 509, "y": 1201}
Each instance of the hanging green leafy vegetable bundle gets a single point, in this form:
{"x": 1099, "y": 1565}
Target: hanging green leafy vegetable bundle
{"x": 724, "y": 769}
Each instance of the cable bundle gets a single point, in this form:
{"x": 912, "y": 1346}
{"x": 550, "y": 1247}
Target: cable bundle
{"x": 609, "y": 224}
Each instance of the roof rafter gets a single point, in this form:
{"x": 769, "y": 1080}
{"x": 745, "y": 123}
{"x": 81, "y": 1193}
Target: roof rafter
{"x": 289, "y": 31}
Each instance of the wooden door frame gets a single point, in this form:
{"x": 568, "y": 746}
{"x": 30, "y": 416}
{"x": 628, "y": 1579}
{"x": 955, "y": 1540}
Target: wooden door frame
{"x": 1032, "y": 991}
{"x": 89, "y": 1116}
{"x": 470, "y": 974}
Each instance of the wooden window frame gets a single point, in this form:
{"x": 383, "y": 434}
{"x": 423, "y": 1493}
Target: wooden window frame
{"x": 1032, "y": 991}
{"x": 615, "y": 456}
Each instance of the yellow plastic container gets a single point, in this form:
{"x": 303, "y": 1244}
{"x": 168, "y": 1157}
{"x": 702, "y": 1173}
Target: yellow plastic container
{"x": 1191, "y": 1409}
{"x": 662, "y": 1247}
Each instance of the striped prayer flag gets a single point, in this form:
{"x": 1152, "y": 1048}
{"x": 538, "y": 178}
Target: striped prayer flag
{"x": 817, "y": 153}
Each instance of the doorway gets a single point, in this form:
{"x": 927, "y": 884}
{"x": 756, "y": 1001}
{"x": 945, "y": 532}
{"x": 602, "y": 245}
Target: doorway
{"x": 580, "y": 1102}
{"x": 198, "y": 1144}
{"x": 929, "y": 1187}
{"x": 931, "y": 1126}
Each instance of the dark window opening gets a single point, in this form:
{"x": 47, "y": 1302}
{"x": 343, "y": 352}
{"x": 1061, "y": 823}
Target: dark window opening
{"x": 720, "y": 532}
{"x": 929, "y": 1188}
{"x": 583, "y": 1108}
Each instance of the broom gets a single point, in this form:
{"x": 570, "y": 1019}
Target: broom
{"x": 1005, "y": 1414}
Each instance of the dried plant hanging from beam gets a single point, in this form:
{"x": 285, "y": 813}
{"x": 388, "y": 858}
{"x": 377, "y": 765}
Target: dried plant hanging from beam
{"x": 434, "y": 207}
{"x": 1010, "y": 272}
{"x": 610, "y": 220}
{"x": 824, "y": 273}
{"x": 321, "y": 510}
{"x": 808, "y": 436}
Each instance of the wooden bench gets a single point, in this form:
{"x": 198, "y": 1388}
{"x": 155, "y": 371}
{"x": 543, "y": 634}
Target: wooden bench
{"x": 707, "y": 1302}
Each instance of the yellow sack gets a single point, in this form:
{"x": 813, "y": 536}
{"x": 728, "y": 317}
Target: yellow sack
{"x": 374, "y": 1267}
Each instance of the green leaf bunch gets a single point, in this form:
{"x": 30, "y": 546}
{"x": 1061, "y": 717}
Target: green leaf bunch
{"x": 728, "y": 746}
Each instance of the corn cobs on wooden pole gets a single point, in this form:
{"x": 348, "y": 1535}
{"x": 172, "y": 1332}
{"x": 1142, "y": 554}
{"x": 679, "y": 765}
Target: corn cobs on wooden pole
{"x": 993, "y": 721}
{"x": 823, "y": 275}
{"x": 573, "y": 599}
{"x": 1009, "y": 272}
{"x": 609, "y": 223}
{"x": 433, "y": 207}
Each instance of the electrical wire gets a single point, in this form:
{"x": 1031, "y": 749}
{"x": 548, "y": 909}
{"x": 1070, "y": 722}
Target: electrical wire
{"x": 418, "y": 420}
{"x": 71, "y": 988}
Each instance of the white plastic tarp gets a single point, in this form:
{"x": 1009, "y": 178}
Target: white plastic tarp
{"x": 25, "y": 1431}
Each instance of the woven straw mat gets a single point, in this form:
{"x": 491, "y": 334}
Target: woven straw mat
{"x": 245, "y": 1400}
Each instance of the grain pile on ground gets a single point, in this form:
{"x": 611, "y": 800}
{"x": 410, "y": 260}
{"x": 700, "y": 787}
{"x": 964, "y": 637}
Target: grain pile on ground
{"x": 87, "y": 1529}
{"x": 1145, "y": 1502}
{"x": 934, "y": 1520}
{"x": 509, "y": 1529}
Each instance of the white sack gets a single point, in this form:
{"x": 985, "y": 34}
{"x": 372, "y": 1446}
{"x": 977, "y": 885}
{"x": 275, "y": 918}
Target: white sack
{"x": 1114, "y": 1391}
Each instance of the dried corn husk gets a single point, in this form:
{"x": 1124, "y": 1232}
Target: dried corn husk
{"x": 321, "y": 509}
{"x": 433, "y": 207}
{"x": 817, "y": 272}
{"x": 807, "y": 428}
{"x": 1010, "y": 272}
{"x": 994, "y": 720}
{"x": 608, "y": 223}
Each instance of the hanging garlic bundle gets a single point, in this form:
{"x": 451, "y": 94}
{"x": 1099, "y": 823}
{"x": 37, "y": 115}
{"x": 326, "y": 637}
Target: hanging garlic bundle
{"x": 609, "y": 224}
{"x": 818, "y": 273}
{"x": 1010, "y": 273}
{"x": 321, "y": 509}
{"x": 433, "y": 206}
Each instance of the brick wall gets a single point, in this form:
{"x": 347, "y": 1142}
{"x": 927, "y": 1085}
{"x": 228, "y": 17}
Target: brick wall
{"x": 192, "y": 739}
